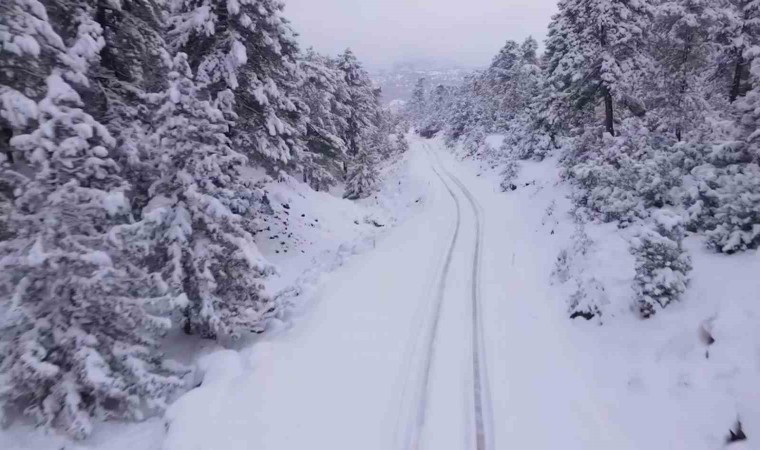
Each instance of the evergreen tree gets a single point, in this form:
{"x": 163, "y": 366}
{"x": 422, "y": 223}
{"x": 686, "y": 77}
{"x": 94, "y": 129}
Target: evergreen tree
{"x": 325, "y": 92}
{"x": 737, "y": 33}
{"x": 199, "y": 219}
{"x": 363, "y": 102}
{"x": 680, "y": 45}
{"x": 434, "y": 118}
{"x": 78, "y": 338}
{"x": 662, "y": 265}
{"x": 130, "y": 67}
{"x": 464, "y": 113}
{"x": 124, "y": 208}
{"x": 250, "y": 49}
{"x": 595, "y": 50}
{"x": 727, "y": 202}
{"x": 417, "y": 107}
{"x": 362, "y": 175}
{"x": 510, "y": 84}
{"x": 28, "y": 47}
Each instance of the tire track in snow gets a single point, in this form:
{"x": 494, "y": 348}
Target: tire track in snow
{"x": 481, "y": 390}
{"x": 411, "y": 440}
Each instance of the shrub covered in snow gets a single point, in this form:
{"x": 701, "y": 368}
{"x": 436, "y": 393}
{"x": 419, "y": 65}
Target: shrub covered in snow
{"x": 622, "y": 177}
{"x": 362, "y": 176}
{"x": 726, "y": 204}
{"x": 474, "y": 142}
{"x": 525, "y": 137}
{"x": 662, "y": 265}
{"x": 510, "y": 168}
{"x": 587, "y": 296}
{"x": 401, "y": 144}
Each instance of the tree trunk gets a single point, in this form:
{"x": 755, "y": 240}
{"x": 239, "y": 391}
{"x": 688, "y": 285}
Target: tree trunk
{"x": 609, "y": 120}
{"x": 736, "y": 86}
{"x": 6, "y": 133}
{"x": 187, "y": 326}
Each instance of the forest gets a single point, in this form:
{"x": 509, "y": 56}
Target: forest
{"x": 653, "y": 107}
{"x": 137, "y": 136}
{"x": 126, "y": 208}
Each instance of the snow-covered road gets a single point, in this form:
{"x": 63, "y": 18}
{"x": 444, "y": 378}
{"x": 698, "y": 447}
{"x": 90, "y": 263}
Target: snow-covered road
{"x": 442, "y": 337}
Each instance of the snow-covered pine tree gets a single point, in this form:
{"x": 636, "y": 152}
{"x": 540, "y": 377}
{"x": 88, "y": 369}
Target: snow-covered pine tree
{"x": 363, "y": 102}
{"x": 79, "y": 319}
{"x": 623, "y": 177}
{"x": 596, "y": 51}
{"x": 249, "y": 48}
{"x": 362, "y": 173}
{"x": 417, "y": 107}
{"x": 727, "y": 202}
{"x": 325, "y": 92}
{"x": 464, "y": 114}
{"x": 28, "y": 47}
{"x": 737, "y": 35}
{"x": 130, "y": 66}
{"x": 509, "y": 88}
{"x": 434, "y": 118}
{"x": 678, "y": 90}
{"x": 662, "y": 265}
{"x": 497, "y": 85}
{"x": 401, "y": 143}
{"x": 199, "y": 219}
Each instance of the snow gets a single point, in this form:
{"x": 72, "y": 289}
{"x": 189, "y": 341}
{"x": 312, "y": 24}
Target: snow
{"x": 17, "y": 108}
{"x": 344, "y": 368}
{"x": 115, "y": 202}
{"x": 238, "y": 53}
{"x": 342, "y": 353}
{"x": 657, "y": 383}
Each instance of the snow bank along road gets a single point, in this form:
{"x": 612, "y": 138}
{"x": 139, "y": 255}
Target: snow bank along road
{"x": 442, "y": 337}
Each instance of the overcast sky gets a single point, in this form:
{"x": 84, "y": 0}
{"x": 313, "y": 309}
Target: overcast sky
{"x": 381, "y": 32}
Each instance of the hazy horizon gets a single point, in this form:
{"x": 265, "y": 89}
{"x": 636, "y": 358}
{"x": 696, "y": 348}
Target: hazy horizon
{"x": 385, "y": 32}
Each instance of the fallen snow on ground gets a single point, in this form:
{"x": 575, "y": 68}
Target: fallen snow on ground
{"x": 341, "y": 370}
{"x": 325, "y": 230}
{"x": 679, "y": 380}
{"x": 329, "y": 380}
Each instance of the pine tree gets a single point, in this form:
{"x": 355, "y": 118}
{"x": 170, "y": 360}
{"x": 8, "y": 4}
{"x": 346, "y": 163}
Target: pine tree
{"x": 464, "y": 112}
{"x": 28, "y": 47}
{"x": 250, "y": 49}
{"x": 662, "y": 265}
{"x": 737, "y": 33}
{"x": 200, "y": 216}
{"x": 595, "y": 51}
{"x": 325, "y": 92}
{"x": 81, "y": 321}
{"x": 130, "y": 67}
{"x": 509, "y": 84}
{"x": 363, "y": 101}
{"x": 362, "y": 175}
{"x": 727, "y": 204}
{"x": 434, "y": 118}
{"x": 417, "y": 107}
{"x": 681, "y": 46}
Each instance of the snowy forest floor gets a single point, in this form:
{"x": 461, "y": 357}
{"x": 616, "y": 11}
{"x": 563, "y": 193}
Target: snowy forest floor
{"x": 378, "y": 349}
